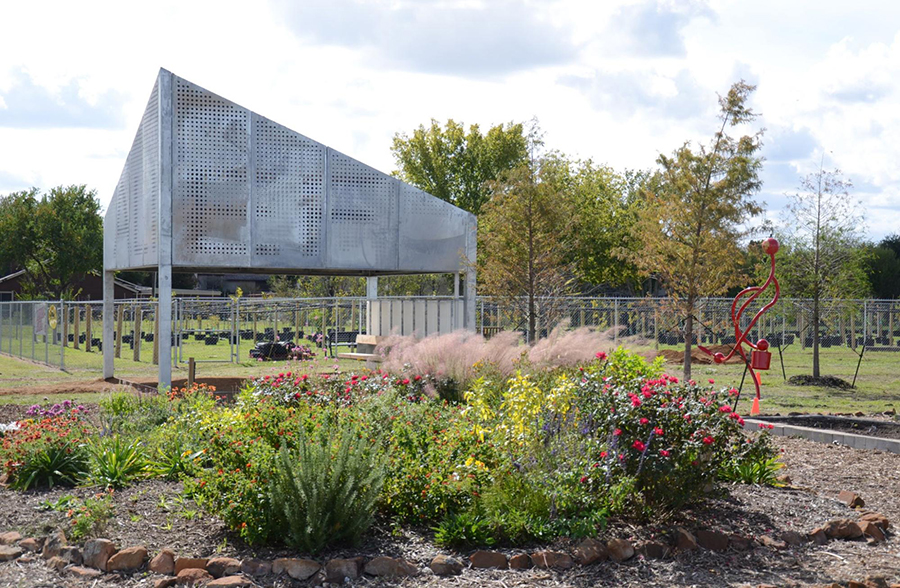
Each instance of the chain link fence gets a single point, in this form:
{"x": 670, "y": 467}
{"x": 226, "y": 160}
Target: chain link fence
{"x": 69, "y": 335}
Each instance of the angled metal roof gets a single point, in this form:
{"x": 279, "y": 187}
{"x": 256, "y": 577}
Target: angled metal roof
{"x": 211, "y": 186}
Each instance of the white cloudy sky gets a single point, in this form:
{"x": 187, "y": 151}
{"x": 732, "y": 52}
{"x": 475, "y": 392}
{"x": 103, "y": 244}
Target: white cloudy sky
{"x": 619, "y": 81}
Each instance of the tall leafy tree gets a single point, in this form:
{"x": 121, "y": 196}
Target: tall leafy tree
{"x": 694, "y": 213}
{"x": 824, "y": 257}
{"x": 454, "y": 164}
{"x": 883, "y": 267}
{"x": 524, "y": 234}
{"x": 56, "y": 237}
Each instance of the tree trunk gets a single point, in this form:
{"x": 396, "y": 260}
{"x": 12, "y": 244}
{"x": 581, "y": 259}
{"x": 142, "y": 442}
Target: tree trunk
{"x": 688, "y": 331}
{"x": 815, "y": 334}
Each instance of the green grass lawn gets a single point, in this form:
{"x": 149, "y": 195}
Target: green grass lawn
{"x": 877, "y": 388}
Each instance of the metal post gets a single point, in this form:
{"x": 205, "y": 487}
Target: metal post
{"x": 120, "y": 316}
{"x": 89, "y": 327}
{"x": 77, "y": 334}
{"x": 164, "y": 279}
{"x": 616, "y": 322}
{"x": 110, "y": 348}
{"x": 136, "y": 333}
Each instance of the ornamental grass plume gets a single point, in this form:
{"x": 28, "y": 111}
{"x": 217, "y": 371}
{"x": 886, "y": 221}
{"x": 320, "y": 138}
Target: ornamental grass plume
{"x": 458, "y": 355}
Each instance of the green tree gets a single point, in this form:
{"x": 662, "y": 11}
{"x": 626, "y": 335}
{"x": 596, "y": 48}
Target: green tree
{"x": 824, "y": 257}
{"x": 455, "y": 165}
{"x": 56, "y": 237}
{"x": 524, "y": 234}
{"x": 883, "y": 267}
{"x": 694, "y": 213}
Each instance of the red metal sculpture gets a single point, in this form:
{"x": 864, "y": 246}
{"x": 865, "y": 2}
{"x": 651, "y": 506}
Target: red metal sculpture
{"x": 760, "y": 357}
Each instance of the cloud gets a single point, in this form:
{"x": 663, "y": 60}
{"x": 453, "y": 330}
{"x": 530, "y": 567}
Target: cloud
{"x": 630, "y": 92}
{"x": 499, "y": 37}
{"x": 783, "y": 144}
{"x": 866, "y": 91}
{"x": 655, "y": 28}
{"x": 10, "y": 182}
{"x": 28, "y": 105}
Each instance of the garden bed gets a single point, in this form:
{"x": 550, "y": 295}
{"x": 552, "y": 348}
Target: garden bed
{"x": 148, "y": 514}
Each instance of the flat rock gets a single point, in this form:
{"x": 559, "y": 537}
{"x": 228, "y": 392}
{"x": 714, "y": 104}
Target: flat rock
{"x": 10, "y": 538}
{"x": 818, "y": 536}
{"x": 870, "y": 529}
{"x": 851, "y": 499}
{"x": 165, "y": 583}
{"x": 521, "y": 561}
{"x": 652, "y": 549}
{"x": 163, "y": 562}
{"x": 489, "y": 559}
{"x": 444, "y": 565}
{"x": 793, "y": 538}
{"x": 256, "y": 567}
{"x": 127, "y": 560}
{"x": 552, "y": 559}
{"x": 53, "y": 543}
{"x": 296, "y": 568}
{"x": 84, "y": 573}
{"x": 30, "y": 544}
{"x": 230, "y": 582}
{"x": 842, "y": 529}
{"x": 685, "y": 540}
{"x": 589, "y": 551}
{"x": 875, "y": 517}
{"x": 771, "y": 542}
{"x": 9, "y": 552}
{"x": 97, "y": 553}
{"x": 620, "y": 549}
{"x": 187, "y": 563}
{"x": 56, "y": 563}
{"x": 192, "y": 577}
{"x": 223, "y": 566}
{"x": 712, "y": 540}
{"x": 339, "y": 568}
{"x": 388, "y": 566}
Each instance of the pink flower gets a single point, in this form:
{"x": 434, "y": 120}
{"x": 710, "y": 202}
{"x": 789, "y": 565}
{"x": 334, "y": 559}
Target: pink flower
{"x": 601, "y": 356}
{"x": 584, "y": 479}
{"x": 617, "y": 432}
{"x": 405, "y": 381}
{"x": 658, "y": 431}
{"x": 725, "y": 408}
{"x": 664, "y": 453}
{"x": 687, "y": 417}
{"x": 417, "y": 378}
{"x": 639, "y": 445}
{"x": 708, "y": 440}
{"x": 603, "y": 454}
{"x": 711, "y": 381}
{"x": 644, "y": 420}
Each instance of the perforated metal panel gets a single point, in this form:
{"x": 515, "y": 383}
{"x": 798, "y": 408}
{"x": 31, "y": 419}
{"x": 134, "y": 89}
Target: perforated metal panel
{"x": 211, "y": 194}
{"x": 248, "y": 194}
{"x": 288, "y": 193}
{"x": 432, "y": 232}
{"x": 132, "y": 216}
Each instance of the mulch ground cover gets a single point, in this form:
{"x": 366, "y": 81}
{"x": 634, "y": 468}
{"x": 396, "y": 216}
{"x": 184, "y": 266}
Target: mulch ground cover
{"x": 152, "y": 514}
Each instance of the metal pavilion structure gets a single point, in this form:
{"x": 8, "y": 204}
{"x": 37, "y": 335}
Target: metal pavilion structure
{"x": 210, "y": 186}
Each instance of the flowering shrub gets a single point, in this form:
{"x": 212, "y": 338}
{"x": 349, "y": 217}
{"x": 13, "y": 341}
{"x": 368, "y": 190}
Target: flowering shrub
{"x": 46, "y": 452}
{"x": 56, "y": 409}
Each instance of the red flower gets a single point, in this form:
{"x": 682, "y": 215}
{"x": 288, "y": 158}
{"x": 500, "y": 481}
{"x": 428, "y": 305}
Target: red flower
{"x": 603, "y": 454}
{"x": 644, "y": 420}
{"x": 658, "y": 431}
{"x": 687, "y": 417}
{"x": 617, "y": 432}
{"x": 584, "y": 479}
{"x": 639, "y": 445}
{"x": 417, "y": 378}
{"x": 725, "y": 408}
{"x": 708, "y": 440}
{"x": 601, "y": 356}
{"x": 664, "y": 453}
{"x": 711, "y": 381}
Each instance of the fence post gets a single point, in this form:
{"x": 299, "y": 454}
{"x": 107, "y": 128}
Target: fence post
{"x": 616, "y": 321}
{"x": 120, "y": 315}
{"x": 88, "y": 328}
{"x": 156, "y": 334}
{"x": 62, "y": 348}
{"x": 136, "y": 334}
{"x": 77, "y": 335}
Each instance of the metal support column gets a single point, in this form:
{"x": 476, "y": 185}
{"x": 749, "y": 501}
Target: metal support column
{"x": 109, "y": 348}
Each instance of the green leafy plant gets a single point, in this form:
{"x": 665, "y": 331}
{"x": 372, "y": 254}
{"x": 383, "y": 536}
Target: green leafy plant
{"x": 465, "y": 529}
{"x": 116, "y": 463}
{"x": 45, "y": 453}
{"x": 326, "y": 492}
{"x": 88, "y": 517}
{"x": 754, "y": 461}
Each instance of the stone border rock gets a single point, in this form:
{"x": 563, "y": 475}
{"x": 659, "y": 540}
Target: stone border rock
{"x": 824, "y": 435}
{"x": 99, "y": 556}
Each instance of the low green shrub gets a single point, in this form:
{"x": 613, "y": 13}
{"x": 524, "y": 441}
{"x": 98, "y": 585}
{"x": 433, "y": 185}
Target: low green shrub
{"x": 87, "y": 518}
{"x": 129, "y": 413}
{"x": 753, "y": 461}
{"x": 116, "y": 462}
{"x": 325, "y": 491}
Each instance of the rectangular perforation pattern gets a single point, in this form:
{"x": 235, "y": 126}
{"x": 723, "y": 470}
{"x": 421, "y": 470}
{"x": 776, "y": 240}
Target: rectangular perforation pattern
{"x": 212, "y": 187}
{"x": 135, "y": 202}
{"x": 362, "y": 230}
{"x": 288, "y": 195}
